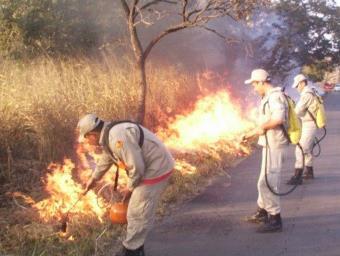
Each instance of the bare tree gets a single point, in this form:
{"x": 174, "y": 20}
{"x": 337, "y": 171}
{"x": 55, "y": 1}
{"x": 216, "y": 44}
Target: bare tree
{"x": 190, "y": 13}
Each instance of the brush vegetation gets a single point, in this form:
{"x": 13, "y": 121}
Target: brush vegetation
{"x": 40, "y": 103}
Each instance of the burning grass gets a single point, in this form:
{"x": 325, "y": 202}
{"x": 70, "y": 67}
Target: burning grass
{"x": 40, "y": 105}
{"x": 29, "y": 229}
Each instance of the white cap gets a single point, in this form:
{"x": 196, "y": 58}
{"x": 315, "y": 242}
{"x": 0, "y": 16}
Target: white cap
{"x": 86, "y": 124}
{"x": 297, "y": 79}
{"x": 258, "y": 75}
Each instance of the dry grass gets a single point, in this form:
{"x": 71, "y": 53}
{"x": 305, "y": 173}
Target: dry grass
{"x": 40, "y": 103}
{"x": 24, "y": 234}
{"x": 41, "y": 100}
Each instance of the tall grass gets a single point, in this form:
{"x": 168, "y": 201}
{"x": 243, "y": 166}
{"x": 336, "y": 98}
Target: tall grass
{"x": 40, "y": 104}
{"x": 42, "y": 100}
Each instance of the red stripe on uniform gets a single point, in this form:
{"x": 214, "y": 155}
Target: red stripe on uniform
{"x": 156, "y": 180}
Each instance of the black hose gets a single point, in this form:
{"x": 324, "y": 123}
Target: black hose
{"x": 266, "y": 170}
{"x": 317, "y": 143}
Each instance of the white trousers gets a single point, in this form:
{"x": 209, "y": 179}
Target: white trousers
{"x": 141, "y": 213}
{"x": 307, "y": 138}
{"x": 266, "y": 199}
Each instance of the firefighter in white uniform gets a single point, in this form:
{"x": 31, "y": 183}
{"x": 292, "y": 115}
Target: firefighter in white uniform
{"x": 305, "y": 109}
{"x": 148, "y": 164}
{"x": 273, "y": 115}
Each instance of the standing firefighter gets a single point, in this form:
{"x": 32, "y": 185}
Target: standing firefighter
{"x": 305, "y": 109}
{"x": 273, "y": 116}
{"x": 147, "y": 162}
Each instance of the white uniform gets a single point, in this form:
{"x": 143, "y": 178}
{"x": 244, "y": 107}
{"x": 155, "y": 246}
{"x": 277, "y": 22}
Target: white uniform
{"x": 306, "y": 102}
{"x": 273, "y": 107}
{"x": 148, "y": 169}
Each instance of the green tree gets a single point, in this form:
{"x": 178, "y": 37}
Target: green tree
{"x": 53, "y": 26}
{"x": 308, "y": 35}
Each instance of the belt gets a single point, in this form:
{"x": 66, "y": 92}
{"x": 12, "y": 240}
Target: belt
{"x": 153, "y": 181}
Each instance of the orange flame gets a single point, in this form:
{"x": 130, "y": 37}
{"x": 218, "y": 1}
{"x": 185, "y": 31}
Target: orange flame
{"x": 215, "y": 117}
{"x": 64, "y": 193}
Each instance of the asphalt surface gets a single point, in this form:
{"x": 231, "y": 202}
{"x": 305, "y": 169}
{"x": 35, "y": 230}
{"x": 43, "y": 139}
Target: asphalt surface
{"x": 212, "y": 223}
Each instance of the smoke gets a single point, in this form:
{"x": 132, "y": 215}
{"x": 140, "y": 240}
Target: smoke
{"x": 196, "y": 49}
{"x": 250, "y": 43}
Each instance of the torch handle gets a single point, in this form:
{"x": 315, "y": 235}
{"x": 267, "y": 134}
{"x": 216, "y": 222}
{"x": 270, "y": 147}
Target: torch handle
{"x": 80, "y": 197}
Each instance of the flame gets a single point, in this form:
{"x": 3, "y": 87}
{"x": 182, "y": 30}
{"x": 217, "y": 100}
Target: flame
{"x": 215, "y": 117}
{"x": 64, "y": 193}
{"x": 65, "y": 190}
{"x": 217, "y": 121}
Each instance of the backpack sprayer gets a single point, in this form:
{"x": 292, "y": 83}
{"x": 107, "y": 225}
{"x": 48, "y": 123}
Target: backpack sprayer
{"x": 266, "y": 167}
{"x": 316, "y": 143}
{"x": 320, "y": 122}
{"x": 266, "y": 170}
{"x": 293, "y": 135}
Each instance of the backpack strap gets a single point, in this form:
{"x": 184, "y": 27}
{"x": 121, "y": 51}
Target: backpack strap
{"x": 316, "y": 96}
{"x": 264, "y": 107}
{"x": 309, "y": 112}
{"x": 108, "y": 150}
{"x": 285, "y": 132}
{"x": 312, "y": 116}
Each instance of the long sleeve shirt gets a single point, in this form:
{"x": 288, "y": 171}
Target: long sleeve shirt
{"x": 273, "y": 106}
{"x": 307, "y": 101}
{"x": 150, "y": 161}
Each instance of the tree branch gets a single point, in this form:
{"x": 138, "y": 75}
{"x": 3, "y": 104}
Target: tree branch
{"x": 135, "y": 42}
{"x": 156, "y": 2}
{"x": 199, "y": 13}
{"x": 147, "y": 5}
{"x": 163, "y": 34}
{"x": 212, "y": 9}
{"x": 133, "y": 10}
{"x": 125, "y": 8}
{"x": 184, "y": 7}
{"x": 226, "y": 39}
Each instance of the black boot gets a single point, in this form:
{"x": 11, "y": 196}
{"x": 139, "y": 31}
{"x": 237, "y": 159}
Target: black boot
{"x": 297, "y": 178}
{"x": 260, "y": 216}
{"x": 274, "y": 224}
{"x": 309, "y": 174}
{"x": 126, "y": 252}
{"x": 122, "y": 252}
{"x": 140, "y": 251}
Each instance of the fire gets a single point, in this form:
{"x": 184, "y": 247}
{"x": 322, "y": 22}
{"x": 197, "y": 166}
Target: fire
{"x": 216, "y": 122}
{"x": 65, "y": 189}
{"x": 215, "y": 117}
{"x": 64, "y": 192}
{"x": 89, "y": 156}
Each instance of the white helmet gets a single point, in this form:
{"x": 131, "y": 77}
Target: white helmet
{"x": 297, "y": 79}
{"x": 86, "y": 124}
{"x": 258, "y": 75}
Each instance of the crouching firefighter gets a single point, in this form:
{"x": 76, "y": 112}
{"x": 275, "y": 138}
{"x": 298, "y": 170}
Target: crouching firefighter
{"x": 273, "y": 115}
{"x": 148, "y": 164}
{"x": 307, "y": 108}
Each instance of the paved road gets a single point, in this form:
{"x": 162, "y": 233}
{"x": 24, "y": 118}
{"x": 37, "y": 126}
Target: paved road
{"x": 211, "y": 224}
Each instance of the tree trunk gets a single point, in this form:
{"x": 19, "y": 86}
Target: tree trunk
{"x": 137, "y": 48}
{"x": 142, "y": 85}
